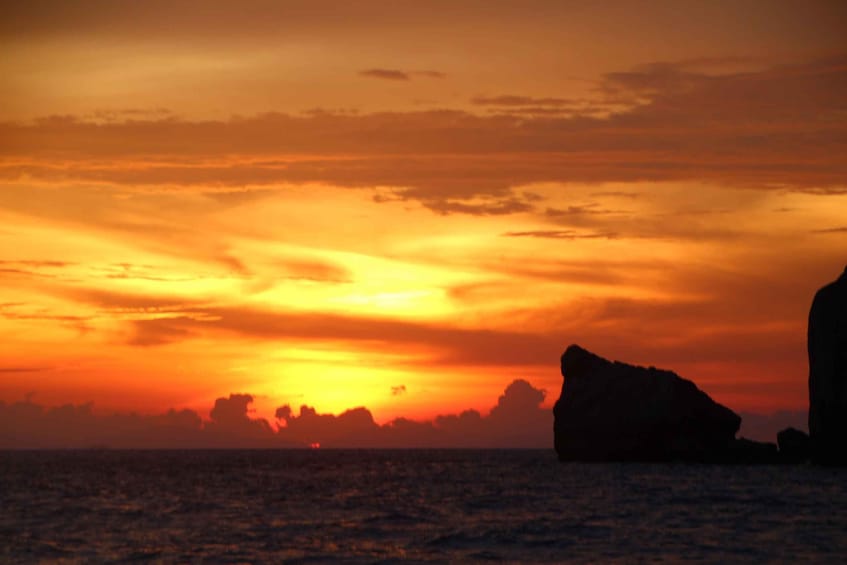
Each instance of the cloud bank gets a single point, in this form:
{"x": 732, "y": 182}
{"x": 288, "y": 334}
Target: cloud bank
{"x": 779, "y": 127}
{"x": 516, "y": 421}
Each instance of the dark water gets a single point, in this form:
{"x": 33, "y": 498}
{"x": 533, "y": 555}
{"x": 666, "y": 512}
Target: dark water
{"x": 416, "y": 506}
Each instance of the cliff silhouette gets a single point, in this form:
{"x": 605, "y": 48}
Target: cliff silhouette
{"x": 827, "y": 345}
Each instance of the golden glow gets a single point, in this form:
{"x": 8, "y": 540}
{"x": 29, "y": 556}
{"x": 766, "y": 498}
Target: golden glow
{"x": 247, "y": 207}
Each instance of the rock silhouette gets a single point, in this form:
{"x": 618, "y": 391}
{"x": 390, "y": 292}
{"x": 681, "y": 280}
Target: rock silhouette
{"x": 748, "y": 451}
{"x": 612, "y": 411}
{"x": 827, "y": 344}
{"x": 793, "y": 445}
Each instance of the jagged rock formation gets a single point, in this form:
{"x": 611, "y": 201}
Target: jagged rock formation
{"x": 827, "y": 342}
{"x": 617, "y": 412}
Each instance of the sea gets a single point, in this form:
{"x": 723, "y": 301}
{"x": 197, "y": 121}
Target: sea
{"x": 410, "y": 506}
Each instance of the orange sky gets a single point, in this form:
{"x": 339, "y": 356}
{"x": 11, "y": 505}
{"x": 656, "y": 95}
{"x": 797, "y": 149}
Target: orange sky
{"x": 320, "y": 202}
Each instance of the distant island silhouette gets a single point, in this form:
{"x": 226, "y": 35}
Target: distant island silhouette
{"x": 613, "y": 411}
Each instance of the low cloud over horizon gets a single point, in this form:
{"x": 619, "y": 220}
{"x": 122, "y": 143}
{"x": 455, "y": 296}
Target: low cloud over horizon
{"x": 517, "y": 420}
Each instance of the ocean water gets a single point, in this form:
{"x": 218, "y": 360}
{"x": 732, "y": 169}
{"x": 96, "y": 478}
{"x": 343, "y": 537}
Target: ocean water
{"x": 426, "y": 506}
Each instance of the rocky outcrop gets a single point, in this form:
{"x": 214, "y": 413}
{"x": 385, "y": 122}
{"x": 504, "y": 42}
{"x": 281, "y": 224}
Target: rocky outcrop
{"x": 611, "y": 411}
{"x": 793, "y": 445}
{"x": 827, "y": 343}
{"x": 749, "y": 452}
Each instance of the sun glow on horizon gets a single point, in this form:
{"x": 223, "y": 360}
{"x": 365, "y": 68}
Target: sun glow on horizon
{"x": 341, "y": 213}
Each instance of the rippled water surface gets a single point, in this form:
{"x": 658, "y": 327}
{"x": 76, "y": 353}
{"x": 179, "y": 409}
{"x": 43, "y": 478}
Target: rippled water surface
{"x": 411, "y": 506}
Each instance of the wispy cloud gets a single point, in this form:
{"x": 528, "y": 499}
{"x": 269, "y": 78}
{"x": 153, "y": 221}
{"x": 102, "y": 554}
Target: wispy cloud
{"x": 561, "y": 234}
{"x": 514, "y": 100}
{"x": 387, "y": 74}
{"x": 397, "y": 74}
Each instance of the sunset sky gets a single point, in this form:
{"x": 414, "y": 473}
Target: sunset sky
{"x": 409, "y": 205}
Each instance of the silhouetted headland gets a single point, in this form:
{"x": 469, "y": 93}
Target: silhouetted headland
{"x": 827, "y": 344}
{"x": 613, "y": 411}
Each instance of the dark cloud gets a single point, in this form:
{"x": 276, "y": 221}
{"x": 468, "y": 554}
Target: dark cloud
{"x": 387, "y": 74}
{"x": 518, "y": 417}
{"x": 355, "y": 427}
{"x": 398, "y": 390}
{"x": 516, "y": 421}
{"x": 24, "y": 369}
{"x": 231, "y": 423}
{"x": 519, "y": 399}
{"x": 831, "y": 230}
{"x": 28, "y": 425}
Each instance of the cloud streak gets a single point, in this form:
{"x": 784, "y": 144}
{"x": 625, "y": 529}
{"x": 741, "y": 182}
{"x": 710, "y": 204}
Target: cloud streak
{"x": 385, "y": 74}
{"x": 396, "y": 74}
{"x": 446, "y": 344}
{"x": 781, "y": 127}
{"x": 560, "y": 234}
